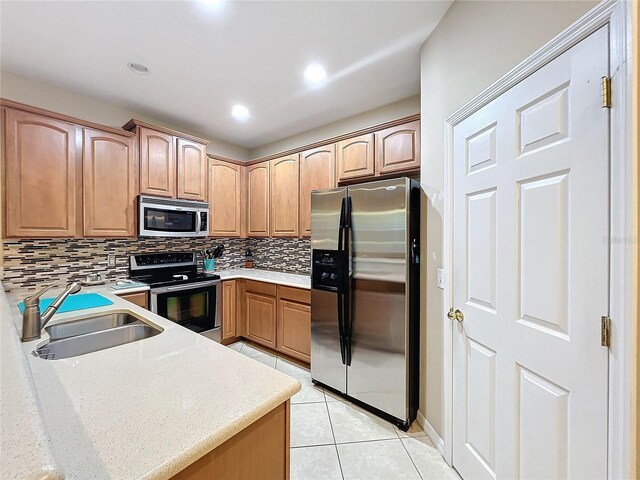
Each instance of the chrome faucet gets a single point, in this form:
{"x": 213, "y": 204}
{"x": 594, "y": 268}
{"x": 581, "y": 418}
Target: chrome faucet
{"x": 32, "y": 321}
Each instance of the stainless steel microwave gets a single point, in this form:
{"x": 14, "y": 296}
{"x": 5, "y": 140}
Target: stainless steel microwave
{"x": 166, "y": 217}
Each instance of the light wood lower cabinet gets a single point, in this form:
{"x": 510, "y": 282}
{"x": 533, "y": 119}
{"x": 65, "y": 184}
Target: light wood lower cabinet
{"x": 274, "y": 316}
{"x": 43, "y": 176}
{"x": 229, "y": 310}
{"x": 260, "y": 451}
{"x": 261, "y": 319}
{"x": 294, "y": 330}
{"x": 109, "y": 185}
{"x": 141, "y": 298}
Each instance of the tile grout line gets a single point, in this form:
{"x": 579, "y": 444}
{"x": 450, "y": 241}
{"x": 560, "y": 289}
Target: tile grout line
{"x": 410, "y": 457}
{"x": 335, "y": 444}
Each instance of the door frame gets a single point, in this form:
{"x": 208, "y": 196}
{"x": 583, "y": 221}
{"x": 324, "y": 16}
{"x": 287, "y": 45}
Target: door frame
{"x": 616, "y": 14}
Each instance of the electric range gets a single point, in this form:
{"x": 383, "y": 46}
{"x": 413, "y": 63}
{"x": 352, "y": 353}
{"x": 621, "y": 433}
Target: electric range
{"x": 178, "y": 292}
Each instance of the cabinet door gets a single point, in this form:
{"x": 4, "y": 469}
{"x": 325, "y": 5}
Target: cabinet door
{"x": 294, "y": 330}
{"x": 355, "y": 157}
{"x": 258, "y": 200}
{"x": 317, "y": 171}
{"x": 261, "y": 319}
{"x": 398, "y": 148}
{"x": 109, "y": 185}
{"x": 157, "y": 163}
{"x": 225, "y": 194}
{"x": 228, "y": 309}
{"x": 42, "y": 176}
{"x": 192, "y": 170}
{"x": 285, "y": 181}
{"x": 140, "y": 299}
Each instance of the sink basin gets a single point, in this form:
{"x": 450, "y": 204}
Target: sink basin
{"x": 93, "y": 334}
{"x": 90, "y": 325}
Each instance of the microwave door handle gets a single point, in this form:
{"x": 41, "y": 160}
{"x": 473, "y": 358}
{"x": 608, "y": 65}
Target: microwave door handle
{"x": 197, "y": 221}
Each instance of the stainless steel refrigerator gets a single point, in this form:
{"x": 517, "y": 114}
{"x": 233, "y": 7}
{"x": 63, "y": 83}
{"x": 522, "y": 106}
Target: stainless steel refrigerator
{"x": 365, "y": 295}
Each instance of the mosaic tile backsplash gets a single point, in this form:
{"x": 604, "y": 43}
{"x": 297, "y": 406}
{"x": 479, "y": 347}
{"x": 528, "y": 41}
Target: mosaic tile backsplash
{"x": 32, "y": 262}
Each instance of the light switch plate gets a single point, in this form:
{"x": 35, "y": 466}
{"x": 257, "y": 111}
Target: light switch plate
{"x": 111, "y": 260}
{"x": 440, "y": 278}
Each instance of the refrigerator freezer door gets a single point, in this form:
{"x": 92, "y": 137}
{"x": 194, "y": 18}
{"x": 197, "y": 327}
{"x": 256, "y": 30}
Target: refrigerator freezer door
{"x": 378, "y": 372}
{"x": 326, "y": 358}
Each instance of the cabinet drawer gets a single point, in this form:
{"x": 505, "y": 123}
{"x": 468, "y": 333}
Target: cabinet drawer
{"x": 262, "y": 287}
{"x": 296, "y": 294}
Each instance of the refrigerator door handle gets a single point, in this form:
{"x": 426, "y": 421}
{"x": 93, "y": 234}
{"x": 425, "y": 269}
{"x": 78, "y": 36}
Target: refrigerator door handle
{"x": 346, "y": 281}
{"x": 340, "y": 292}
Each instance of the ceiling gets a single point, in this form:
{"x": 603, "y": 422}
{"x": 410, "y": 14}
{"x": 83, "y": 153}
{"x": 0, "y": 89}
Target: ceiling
{"x": 204, "y": 58}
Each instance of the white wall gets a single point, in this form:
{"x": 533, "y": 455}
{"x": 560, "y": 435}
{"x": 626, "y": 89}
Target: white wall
{"x": 50, "y": 97}
{"x": 403, "y": 108}
{"x": 475, "y": 43}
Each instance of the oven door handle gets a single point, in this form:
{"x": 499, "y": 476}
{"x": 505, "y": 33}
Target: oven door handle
{"x": 188, "y": 286}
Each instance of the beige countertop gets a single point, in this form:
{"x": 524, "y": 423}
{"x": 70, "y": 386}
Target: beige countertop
{"x": 270, "y": 276}
{"x": 143, "y": 410}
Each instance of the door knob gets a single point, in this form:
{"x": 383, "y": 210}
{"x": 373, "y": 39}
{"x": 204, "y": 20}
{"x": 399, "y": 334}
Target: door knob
{"x": 455, "y": 315}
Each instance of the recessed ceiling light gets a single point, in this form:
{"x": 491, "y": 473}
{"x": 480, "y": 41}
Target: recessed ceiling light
{"x": 240, "y": 112}
{"x": 212, "y": 4}
{"x": 315, "y": 74}
{"x": 138, "y": 68}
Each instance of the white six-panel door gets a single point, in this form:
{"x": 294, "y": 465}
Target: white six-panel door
{"x": 531, "y": 222}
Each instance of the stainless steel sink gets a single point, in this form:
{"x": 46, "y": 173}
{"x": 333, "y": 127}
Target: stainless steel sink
{"x": 93, "y": 334}
{"x": 90, "y": 325}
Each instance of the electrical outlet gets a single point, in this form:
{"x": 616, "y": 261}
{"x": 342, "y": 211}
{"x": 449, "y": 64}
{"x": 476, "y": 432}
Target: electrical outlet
{"x": 111, "y": 260}
{"x": 440, "y": 278}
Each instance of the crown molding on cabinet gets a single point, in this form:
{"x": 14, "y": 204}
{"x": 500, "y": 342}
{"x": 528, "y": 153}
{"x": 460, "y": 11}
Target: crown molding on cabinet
{"x": 4, "y": 102}
{"x": 227, "y": 159}
{"x": 322, "y": 143}
{"x": 133, "y": 123}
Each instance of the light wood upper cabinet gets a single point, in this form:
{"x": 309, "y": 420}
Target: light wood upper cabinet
{"x": 317, "y": 171}
{"x": 294, "y": 330}
{"x": 172, "y": 164}
{"x": 192, "y": 170}
{"x": 226, "y": 198}
{"x": 355, "y": 157}
{"x": 109, "y": 184}
{"x": 285, "y": 181}
{"x": 43, "y": 176}
{"x": 261, "y": 319}
{"x": 228, "y": 309}
{"x": 398, "y": 148}
{"x": 157, "y": 163}
{"x": 258, "y": 200}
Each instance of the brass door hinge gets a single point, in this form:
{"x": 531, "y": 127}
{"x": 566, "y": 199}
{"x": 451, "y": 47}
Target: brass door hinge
{"x": 606, "y": 92}
{"x": 605, "y": 331}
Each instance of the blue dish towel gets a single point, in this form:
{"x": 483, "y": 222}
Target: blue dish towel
{"x": 79, "y": 301}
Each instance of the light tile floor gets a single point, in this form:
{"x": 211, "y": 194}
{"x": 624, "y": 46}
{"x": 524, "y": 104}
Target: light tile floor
{"x": 332, "y": 438}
